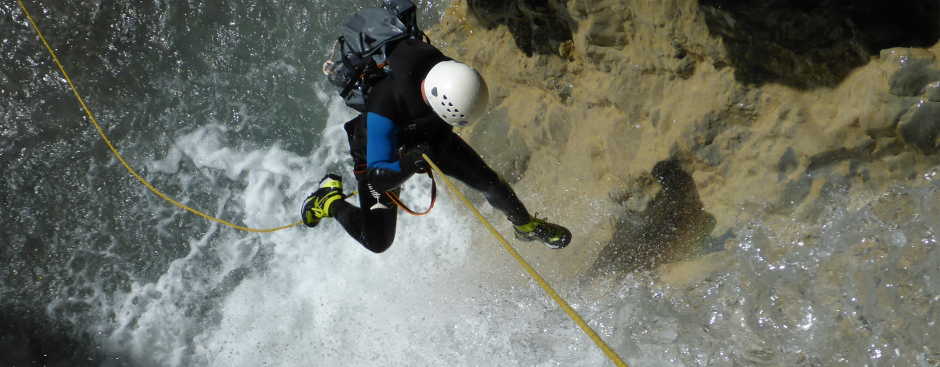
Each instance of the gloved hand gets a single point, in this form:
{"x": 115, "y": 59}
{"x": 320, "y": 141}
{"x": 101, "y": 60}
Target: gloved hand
{"x": 411, "y": 160}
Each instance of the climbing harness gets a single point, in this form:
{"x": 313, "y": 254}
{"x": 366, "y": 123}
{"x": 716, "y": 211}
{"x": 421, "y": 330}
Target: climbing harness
{"x": 612, "y": 355}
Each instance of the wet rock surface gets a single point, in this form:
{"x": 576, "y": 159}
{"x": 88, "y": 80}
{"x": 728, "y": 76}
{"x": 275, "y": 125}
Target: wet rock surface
{"x": 774, "y": 107}
{"x": 537, "y": 26}
{"x": 671, "y": 225}
{"x": 809, "y": 44}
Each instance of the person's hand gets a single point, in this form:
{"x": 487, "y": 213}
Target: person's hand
{"x": 413, "y": 161}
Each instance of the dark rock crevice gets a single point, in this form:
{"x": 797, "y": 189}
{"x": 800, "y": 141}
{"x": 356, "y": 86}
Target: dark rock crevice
{"x": 538, "y": 26}
{"x": 673, "y": 226}
{"x": 808, "y": 44}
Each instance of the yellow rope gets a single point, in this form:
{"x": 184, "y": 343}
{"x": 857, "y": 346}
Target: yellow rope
{"x": 529, "y": 269}
{"x": 117, "y": 155}
{"x": 525, "y": 265}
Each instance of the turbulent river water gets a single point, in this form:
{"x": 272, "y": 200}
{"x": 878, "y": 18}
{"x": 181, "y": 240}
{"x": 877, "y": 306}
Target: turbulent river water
{"x": 222, "y": 105}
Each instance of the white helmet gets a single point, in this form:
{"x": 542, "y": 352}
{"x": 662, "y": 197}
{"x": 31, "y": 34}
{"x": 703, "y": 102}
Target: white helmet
{"x": 456, "y": 92}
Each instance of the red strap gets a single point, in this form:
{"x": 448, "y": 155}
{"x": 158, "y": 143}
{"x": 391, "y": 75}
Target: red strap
{"x": 401, "y": 205}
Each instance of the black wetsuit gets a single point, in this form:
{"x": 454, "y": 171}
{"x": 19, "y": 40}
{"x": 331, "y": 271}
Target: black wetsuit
{"x": 396, "y": 119}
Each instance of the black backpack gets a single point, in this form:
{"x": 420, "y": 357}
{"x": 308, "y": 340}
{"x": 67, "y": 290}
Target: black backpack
{"x": 358, "y": 59}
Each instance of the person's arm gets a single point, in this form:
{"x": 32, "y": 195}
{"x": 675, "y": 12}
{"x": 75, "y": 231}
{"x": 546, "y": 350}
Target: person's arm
{"x": 385, "y": 171}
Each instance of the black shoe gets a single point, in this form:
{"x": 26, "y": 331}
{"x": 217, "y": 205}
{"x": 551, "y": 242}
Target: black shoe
{"x": 318, "y": 204}
{"x": 552, "y": 235}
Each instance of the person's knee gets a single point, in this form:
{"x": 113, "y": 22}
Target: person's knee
{"x": 378, "y": 245}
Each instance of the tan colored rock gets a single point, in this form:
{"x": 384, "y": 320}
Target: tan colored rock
{"x": 580, "y": 132}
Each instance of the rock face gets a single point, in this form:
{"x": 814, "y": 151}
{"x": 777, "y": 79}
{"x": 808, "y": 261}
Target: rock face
{"x": 536, "y": 26}
{"x": 680, "y": 115}
{"x": 914, "y": 82}
{"x": 808, "y": 44}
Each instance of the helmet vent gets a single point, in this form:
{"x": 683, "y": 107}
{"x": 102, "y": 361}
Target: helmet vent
{"x": 448, "y": 79}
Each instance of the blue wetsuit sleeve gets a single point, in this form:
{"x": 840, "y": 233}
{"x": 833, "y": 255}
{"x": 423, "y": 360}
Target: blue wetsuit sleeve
{"x": 381, "y": 141}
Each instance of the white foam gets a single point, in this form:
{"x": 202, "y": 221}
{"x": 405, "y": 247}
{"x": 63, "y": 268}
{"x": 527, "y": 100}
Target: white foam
{"x": 320, "y": 296}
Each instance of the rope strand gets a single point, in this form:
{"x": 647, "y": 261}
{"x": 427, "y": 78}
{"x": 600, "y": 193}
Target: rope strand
{"x": 529, "y": 269}
{"x": 118, "y": 156}
{"x": 612, "y": 355}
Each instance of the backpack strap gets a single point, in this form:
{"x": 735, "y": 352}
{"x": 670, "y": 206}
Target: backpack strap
{"x": 367, "y": 40}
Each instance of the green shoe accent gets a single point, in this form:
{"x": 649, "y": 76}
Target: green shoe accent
{"x": 334, "y": 182}
{"x": 552, "y": 235}
{"x": 529, "y": 227}
{"x": 319, "y": 204}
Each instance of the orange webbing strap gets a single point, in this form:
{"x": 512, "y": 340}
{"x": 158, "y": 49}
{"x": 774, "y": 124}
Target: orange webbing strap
{"x": 397, "y": 200}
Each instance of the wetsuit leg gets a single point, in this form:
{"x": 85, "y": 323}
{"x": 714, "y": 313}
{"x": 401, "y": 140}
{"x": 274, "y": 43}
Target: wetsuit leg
{"x": 373, "y": 228}
{"x": 457, "y": 159}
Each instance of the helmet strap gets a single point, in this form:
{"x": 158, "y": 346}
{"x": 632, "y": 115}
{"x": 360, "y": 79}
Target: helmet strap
{"x": 424, "y": 97}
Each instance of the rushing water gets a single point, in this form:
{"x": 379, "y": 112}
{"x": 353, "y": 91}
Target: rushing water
{"x": 222, "y": 105}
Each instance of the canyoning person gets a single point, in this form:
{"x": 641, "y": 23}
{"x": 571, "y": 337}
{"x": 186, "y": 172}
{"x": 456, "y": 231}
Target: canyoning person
{"x": 411, "y": 110}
